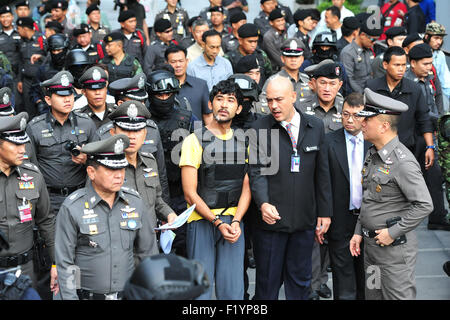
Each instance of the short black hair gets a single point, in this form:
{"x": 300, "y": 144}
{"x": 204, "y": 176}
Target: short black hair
{"x": 335, "y": 11}
{"x": 174, "y": 48}
{"x": 227, "y": 87}
{"x": 164, "y": 67}
{"x": 315, "y": 14}
{"x": 354, "y": 99}
{"x": 210, "y": 33}
{"x": 393, "y": 51}
{"x": 346, "y": 31}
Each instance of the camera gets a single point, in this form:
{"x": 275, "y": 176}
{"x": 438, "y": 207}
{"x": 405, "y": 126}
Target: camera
{"x": 72, "y": 147}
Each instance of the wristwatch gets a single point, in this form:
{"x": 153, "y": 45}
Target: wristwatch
{"x": 431, "y": 147}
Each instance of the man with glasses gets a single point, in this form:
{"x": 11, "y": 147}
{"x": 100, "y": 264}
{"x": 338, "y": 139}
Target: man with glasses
{"x": 357, "y": 57}
{"x": 155, "y": 53}
{"x": 346, "y": 149}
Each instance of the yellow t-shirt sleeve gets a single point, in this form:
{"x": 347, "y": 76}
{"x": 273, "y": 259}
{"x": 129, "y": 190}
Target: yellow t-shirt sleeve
{"x": 191, "y": 152}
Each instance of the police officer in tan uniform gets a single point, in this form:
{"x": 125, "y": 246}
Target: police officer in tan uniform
{"x": 395, "y": 199}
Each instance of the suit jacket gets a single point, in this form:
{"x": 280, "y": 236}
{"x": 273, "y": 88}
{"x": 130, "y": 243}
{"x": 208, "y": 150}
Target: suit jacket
{"x": 343, "y": 223}
{"x": 299, "y": 197}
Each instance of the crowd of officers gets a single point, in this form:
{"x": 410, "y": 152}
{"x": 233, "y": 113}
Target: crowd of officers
{"x": 93, "y": 157}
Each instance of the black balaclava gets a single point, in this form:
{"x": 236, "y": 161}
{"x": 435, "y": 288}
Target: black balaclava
{"x": 161, "y": 108}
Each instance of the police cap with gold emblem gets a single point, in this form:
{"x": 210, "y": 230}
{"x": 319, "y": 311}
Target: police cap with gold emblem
{"x": 94, "y": 78}
{"x": 114, "y": 36}
{"x": 61, "y": 84}
{"x": 6, "y": 108}
{"x": 131, "y": 115}
{"x": 12, "y": 128}
{"x": 110, "y": 152}
{"x": 292, "y": 47}
{"x": 133, "y": 88}
{"x": 375, "y": 104}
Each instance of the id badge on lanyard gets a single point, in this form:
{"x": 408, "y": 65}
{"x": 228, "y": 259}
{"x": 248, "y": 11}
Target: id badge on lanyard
{"x": 295, "y": 162}
{"x": 25, "y": 211}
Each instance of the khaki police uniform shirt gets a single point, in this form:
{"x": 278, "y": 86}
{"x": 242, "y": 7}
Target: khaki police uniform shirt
{"x": 332, "y": 119}
{"x": 393, "y": 185}
{"x": 100, "y": 241}
{"x": 25, "y": 188}
{"x": 358, "y": 65}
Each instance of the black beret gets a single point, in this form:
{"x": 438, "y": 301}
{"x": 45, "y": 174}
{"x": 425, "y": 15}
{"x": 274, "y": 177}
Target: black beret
{"x": 114, "y": 36}
{"x": 331, "y": 70}
{"x": 55, "y": 25}
{"x": 5, "y": 9}
{"x": 238, "y": 17}
{"x": 396, "y": 31}
{"x": 25, "y": 22}
{"x": 369, "y": 29}
{"x": 248, "y": 30}
{"x": 58, "y": 4}
{"x": 82, "y": 29}
{"x": 276, "y": 14}
{"x": 247, "y": 63}
{"x": 216, "y": 9}
{"x": 302, "y": 14}
{"x": 351, "y": 23}
{"x": 162, "y": 25}
{"x": 413, "y": 37}
{"x": 92, "y": 7}
{"x": 125, "y": 15}
{"x": 25, "y": 3}
{"x": 420, "y": 51}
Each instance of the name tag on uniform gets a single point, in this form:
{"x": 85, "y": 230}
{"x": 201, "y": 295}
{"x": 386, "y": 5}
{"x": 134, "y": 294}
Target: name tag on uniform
{"x": 295, "y": 163}
{"x": 25, "y": 213}
{"x": 137, "y": 40}
{"x": 93, "y": 53}
{"x": 148, "y": 141}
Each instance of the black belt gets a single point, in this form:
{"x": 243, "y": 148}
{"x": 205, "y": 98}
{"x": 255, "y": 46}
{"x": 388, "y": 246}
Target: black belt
{"x": 368, "y": 233}
{"x": 354, "y": 212}
{"x": 14, "y": 261}
{"x": 63, "y": 191}
{"x": 88, "y": 295}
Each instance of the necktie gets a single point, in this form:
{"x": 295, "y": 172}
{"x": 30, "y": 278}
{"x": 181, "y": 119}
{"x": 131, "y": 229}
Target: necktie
{"x": 356, "y": 175}
{"x": 291, "y": 135}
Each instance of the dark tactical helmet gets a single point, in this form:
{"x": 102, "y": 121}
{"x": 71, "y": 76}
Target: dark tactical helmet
{"x": 77, "y": 62}
{"x": 166, "y": 277}
{"x": 57, "y": 41}
{"x": 444, "y": 127}
{"x": 325, "y": 38}
{"x": 248, "y": 86}
{"x": 162, "y": 81}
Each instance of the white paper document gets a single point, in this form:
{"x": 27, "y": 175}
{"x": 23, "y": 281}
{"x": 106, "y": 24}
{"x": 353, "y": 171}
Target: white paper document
{"x": 179, "y": 221}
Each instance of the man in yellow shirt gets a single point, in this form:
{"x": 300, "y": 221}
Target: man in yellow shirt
{"x": 220, "y": 189}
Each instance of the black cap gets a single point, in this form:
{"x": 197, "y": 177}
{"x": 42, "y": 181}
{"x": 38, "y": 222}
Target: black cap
{"x": 133, "y": 88}
{"x": 5, "y": 9}
{"x": 81, "y": 29}
{"x": 12, "y": 128}
{"x": 216, "y": 9}
{"x": 162, "y": 25}
{"x": 92, "y": 7}
{"x": 276, "y": 14}
{"x": 248, "y": 30}
{"x": 131, "y": 115}
{"x": 351, "y": 23}
{"x": 239, "y": 16}
{"x": 247, "y": 63}
{"x": 327, "y": 68}
{"x": 192, "y": 20}
{"x": 420, "y": 51}
{"x": 114, "y": 36}
{"x": 55, "y": 25}
{"x": 94, "y": 78}
{"x": 413, "y": 37}
{"x": 109, "y": 152}
{"x": 6, "y": 108}
{"x": 25, "y": 3}
{"x": 125, "y": 15}
{"x": 375, "y": 104}
{"x": 302, "y": 14}
{"x": 61, "y": 84}
{"x": 292, "y": 47}
{"x": 59, "y": 4}
{"x": 369, "y": 29}
{"x": 393, "y": 32}
{"x": 25, "y": 22}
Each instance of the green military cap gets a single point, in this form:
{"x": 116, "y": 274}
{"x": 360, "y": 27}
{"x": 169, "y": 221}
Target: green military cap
{"x": 131, "y": 115}
{"x": 12, "y": 128}
{"x": 94, "y": 78}
{"x": 133, "y": 88}
{"x": 435, "y": 29}
{"x": 292, "y": 47}
{"x": 326, "y": 68}
{"x": 110, "y": 152}
{"x": 6, "y": 108}
{"x": 375, "y": 104}
{"x": 61, "y": 84}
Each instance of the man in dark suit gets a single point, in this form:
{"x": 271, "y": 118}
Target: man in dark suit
{"x": 292, "y": 191}
{"x": 346, "y": 149}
